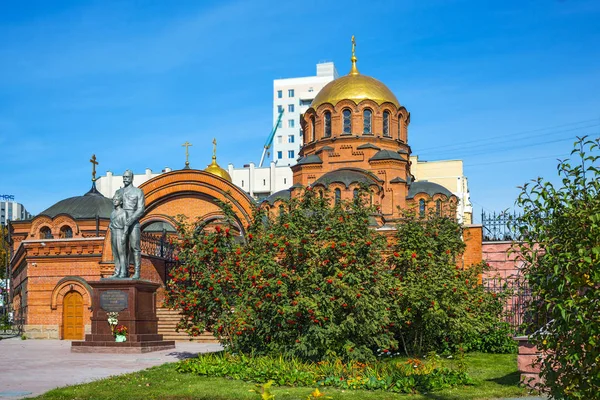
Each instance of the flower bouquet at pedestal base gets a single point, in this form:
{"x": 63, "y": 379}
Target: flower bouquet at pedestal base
{"x": 120, "y": 333}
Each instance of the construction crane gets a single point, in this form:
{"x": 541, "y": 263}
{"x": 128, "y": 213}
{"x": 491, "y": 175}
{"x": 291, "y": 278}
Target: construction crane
{"x": 269, "y": 141}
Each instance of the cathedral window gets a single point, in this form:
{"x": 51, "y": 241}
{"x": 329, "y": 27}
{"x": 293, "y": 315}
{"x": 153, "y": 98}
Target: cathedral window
{"x": 338, "y": 196}
{"x": 400, "y": 127}
{"x": 347, "y": 115}
{"x": 66, "y": 232}
{"x": 312, "y": 129}
{"x": 422, "y": 208}
{"x": 367, "y": 122}
{"x": 386, "y": 124}
{"x": 355, "y": 193}
{"x": 327, "y": 124}
{"x": 438, "y": 208}
{"x": 45, "y": 233}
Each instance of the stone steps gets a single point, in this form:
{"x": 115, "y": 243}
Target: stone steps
{"x": 167, "y": 321}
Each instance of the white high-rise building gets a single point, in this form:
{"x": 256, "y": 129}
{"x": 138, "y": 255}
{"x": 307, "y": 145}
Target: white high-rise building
{"x": 11, "y": 210}
{"x": 293, "y": 96}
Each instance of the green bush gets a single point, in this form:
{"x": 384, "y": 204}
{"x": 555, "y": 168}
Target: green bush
{"x": 395, "y": 376}
{"x": 441, "y": 306}
{"x": 560, "y": 229}
{"x": 309, "y": 282}
{"x": 498, "y": 339}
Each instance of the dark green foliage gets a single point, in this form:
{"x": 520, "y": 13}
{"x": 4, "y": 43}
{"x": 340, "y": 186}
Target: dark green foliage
{"x": 498, "y": 339}
{"x": 395, "y": 376}
{"x": 309, "y": 282}
{"x": 440, "y": 304}
{"x": 560, "y": 229}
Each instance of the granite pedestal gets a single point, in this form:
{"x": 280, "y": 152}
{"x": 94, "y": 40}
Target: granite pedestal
{"x": 135, "y": 301}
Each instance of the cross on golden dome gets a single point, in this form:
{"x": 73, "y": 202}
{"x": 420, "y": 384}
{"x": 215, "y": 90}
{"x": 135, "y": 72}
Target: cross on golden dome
{"x": 354, "y": 87}
{"x": 214, "y": 168}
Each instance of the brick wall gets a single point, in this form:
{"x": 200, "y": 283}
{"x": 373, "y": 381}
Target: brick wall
{"x": 502, "y": 262}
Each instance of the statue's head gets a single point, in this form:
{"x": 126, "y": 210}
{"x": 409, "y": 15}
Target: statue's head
{"x": 117, "y": 199}
{"x": 127, "y": 177}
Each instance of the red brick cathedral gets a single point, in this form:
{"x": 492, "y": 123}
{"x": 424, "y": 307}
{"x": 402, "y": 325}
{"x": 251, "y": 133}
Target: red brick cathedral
{"x": 355, "y": 133}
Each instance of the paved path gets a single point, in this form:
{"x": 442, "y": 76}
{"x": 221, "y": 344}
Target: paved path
{"x": 32, "y": 367}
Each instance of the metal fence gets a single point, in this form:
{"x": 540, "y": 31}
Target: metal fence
{"x": 520, "y": 311}
{"x": 499, "y": 226}
{"x": 11, "y": 326}
{"x": 157, "y": 245}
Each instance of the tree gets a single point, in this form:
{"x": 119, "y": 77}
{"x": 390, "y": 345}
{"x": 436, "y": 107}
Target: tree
{"x": 309, "y": 282}
{"x": 560, "y": 229}
{"x": 441, "y": 306}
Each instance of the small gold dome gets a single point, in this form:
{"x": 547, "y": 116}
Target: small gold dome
{"x": 355, "y": 87}
{"x": 214, "y": 168}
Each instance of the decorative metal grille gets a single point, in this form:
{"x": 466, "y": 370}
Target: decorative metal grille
{"x": 157, "y": 245}
{"x": 499, "y": 227}
{"x": 521, "y": 313}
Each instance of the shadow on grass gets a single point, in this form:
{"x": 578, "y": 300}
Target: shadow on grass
{"x": 511, "y": 379}
{"x": 183, "y": 355}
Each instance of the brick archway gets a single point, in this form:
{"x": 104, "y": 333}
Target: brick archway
{"x": 194, "y": 194}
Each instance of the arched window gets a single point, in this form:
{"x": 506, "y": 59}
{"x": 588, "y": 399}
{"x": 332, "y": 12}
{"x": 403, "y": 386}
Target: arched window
{"x": 45, "y": 233}
{"x": 400, "y": 127}
{"x": 347, "y": 115}
{"x": 338, "y": 196}
{"x": 367, "y": 119}
{"x": 386, "y": 124}
{"x": 66, "y": 232}
{"x": 327, "y": 124}
{"x": 320, "y": 194}
{"x": 311, "y": 135}
{"x": 355, "y": 194}
{"x": 438, "y": 207}
{"x": 422, "y": 208}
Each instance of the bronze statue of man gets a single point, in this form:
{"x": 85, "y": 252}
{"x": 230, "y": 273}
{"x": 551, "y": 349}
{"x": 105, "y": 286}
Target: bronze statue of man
{"x": 133, "y": 204}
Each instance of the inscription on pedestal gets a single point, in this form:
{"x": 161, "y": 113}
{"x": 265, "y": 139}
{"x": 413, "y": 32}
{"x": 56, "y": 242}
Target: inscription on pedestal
{"x": 113, "y": 300}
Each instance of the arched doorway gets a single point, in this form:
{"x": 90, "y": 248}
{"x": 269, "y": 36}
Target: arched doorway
{"x": 73, "y": 316}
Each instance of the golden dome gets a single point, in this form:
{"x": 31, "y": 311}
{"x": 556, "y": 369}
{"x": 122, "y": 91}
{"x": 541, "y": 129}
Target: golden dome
{"x": 355, "y": 87}
{"x": 214, "y": 168}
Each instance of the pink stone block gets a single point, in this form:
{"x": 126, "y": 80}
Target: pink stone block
{"x": 526, "y": 363}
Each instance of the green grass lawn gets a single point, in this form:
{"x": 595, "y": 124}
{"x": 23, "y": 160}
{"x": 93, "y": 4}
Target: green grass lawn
{"x": 495, "y": 376}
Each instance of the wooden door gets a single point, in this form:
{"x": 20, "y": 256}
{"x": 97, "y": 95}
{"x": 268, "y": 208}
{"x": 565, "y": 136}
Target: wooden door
{"x": 73, "y": 316}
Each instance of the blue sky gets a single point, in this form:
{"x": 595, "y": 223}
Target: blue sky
{"x": 504, "y": 86}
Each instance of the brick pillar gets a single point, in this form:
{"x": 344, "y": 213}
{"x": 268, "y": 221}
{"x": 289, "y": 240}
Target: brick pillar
{"x": 472, "y": 236}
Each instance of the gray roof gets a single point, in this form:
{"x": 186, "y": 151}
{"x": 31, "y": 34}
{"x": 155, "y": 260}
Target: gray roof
{"x": 429, "y": 188}
{"x": 312, "y": 159}
{"x": 159, "y": 226}
{"x": 368, "y": 146}
{"x": 398, "y": 180}
{"x": 82, "y": 207}
{"x": 324, "y": 148}
{"x": 281, "y": 195}
{"x": 348, "y": 176}
{"x": 387, "y": 155}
